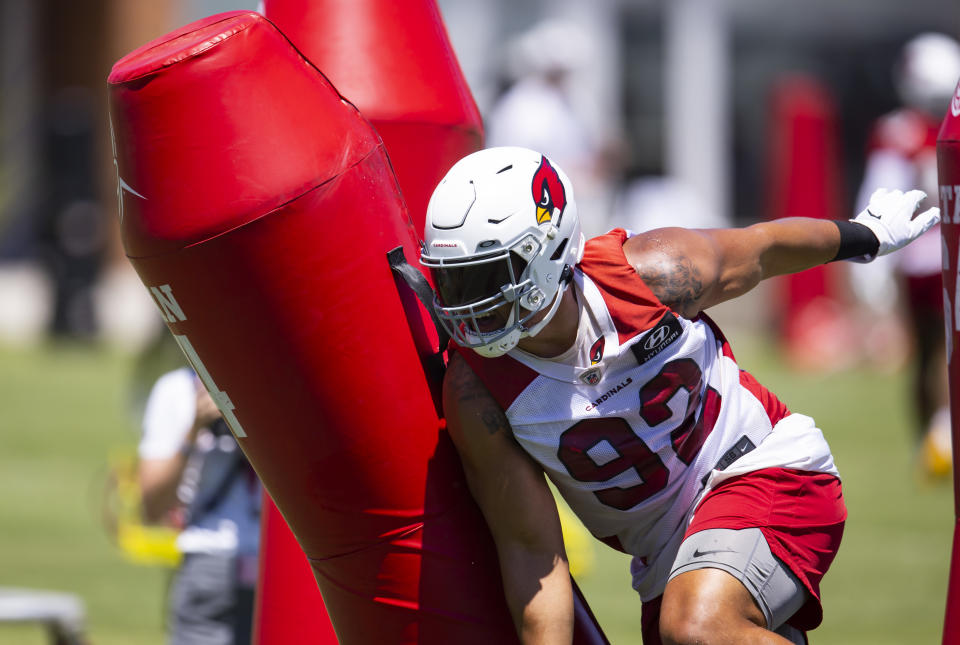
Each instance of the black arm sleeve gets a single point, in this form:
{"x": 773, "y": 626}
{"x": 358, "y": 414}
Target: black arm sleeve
{"x": 856, "y": 240}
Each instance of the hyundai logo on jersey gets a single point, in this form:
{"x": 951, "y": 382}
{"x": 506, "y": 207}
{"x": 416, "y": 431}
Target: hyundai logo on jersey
{"x": 548, "y": 192}
{"x": 657, "y": 339}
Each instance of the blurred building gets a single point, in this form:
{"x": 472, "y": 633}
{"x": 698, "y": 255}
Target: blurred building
{"x": 678, "y": 92}
{"x": 62, "y": 272}
{"x": 686, "y": 84}
{"x": 692, "y": 92}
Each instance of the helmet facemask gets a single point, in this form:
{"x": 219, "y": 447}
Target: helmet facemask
{"x": 486, "y": 301}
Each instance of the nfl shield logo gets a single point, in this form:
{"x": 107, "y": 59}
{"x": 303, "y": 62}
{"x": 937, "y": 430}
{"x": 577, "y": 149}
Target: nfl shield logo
{"x": 591, "y": 376}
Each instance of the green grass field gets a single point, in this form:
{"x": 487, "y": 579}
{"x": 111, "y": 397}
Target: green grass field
{"x": 63, "y": 409}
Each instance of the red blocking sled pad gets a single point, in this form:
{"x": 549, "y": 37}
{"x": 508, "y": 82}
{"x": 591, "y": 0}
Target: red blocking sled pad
{"x": 258, "y": 207}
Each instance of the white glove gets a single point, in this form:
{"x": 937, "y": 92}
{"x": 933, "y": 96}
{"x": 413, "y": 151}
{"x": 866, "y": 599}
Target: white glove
{"x": 890, "y": 216}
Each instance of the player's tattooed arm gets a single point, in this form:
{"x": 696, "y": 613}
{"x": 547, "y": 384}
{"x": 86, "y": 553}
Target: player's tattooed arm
{"x": 677, "y": 282}
{"x": 675, "y": 264}
{"x": 690, "y": 270}
{"x": 476, "y": 407}
{"x": 512, "y": 493}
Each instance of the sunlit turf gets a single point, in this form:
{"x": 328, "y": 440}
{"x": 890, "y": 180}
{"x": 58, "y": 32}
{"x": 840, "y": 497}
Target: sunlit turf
{"x": 63, "y": 409}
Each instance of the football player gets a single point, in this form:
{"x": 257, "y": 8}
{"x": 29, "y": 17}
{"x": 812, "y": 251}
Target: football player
{"x": 594, "y": 363}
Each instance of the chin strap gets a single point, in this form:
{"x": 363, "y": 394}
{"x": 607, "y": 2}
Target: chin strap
{"x": 566, "y": 276}
{"x": 433, "y": 365}
{"x": 420, "y": 287}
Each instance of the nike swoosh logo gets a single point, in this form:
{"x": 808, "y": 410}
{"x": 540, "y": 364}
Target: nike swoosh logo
{"x": 872, "y": 215}
{"x": 699, "y": 554}
{"x": 502, "y": 219}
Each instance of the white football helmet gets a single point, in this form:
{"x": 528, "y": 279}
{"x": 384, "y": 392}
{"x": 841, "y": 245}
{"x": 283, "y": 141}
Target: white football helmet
{"x": 927, "y": 72}
{"x": 501, "y": 229}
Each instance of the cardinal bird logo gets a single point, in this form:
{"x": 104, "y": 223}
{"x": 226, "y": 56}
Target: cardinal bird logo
{"x": 596, "y": 351}
{"x": 548, "y": 192}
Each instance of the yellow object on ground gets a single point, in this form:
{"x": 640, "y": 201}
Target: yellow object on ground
{"x": 936, "y": 451}
{"x": 577, "y": 541}
{"x": 140, "y": 543}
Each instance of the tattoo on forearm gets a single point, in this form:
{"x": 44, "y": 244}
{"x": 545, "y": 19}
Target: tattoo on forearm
{"x": 493, "y": 420}
{"x": 472, "y": 394}
{"x": 678, "y": 284}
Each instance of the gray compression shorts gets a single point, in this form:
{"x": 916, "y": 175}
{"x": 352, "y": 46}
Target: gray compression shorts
{"x": 744, "y": 554}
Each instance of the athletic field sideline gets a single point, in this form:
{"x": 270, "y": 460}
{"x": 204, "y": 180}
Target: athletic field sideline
{"x": 64, "y": 409}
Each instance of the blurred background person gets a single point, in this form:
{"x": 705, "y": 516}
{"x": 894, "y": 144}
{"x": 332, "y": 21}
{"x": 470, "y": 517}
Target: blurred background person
{"x": 542, "y": 108}
{"x": 193, "y": 475}
{"x": 902, "y": 153}
{"x": 675, "y": 171}
{"x": 647, "y": 202}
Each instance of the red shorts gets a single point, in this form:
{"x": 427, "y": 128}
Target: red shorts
{"x": 801, "y": 514}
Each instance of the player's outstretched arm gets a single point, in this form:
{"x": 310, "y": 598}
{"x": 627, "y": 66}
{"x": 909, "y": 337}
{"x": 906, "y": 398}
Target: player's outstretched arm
{"x": 690, "y": 270}
{"x": 518, "y": 506}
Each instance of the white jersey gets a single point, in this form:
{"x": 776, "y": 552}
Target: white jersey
{"x": 638, "y": 421}
{"x": 170, "y": 413}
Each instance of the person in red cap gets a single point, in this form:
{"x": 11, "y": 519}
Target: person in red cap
{"x": 594, "y": 363}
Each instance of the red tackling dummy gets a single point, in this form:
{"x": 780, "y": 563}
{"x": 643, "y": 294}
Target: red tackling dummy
{"x": 288, "y": 608}
{"x": 395, "y": 63}
{"x": 948, "y": 172}
{"x": 258, "y": 207}
{"x": 421, "y": 106}
{"x": 803, "y": 181}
